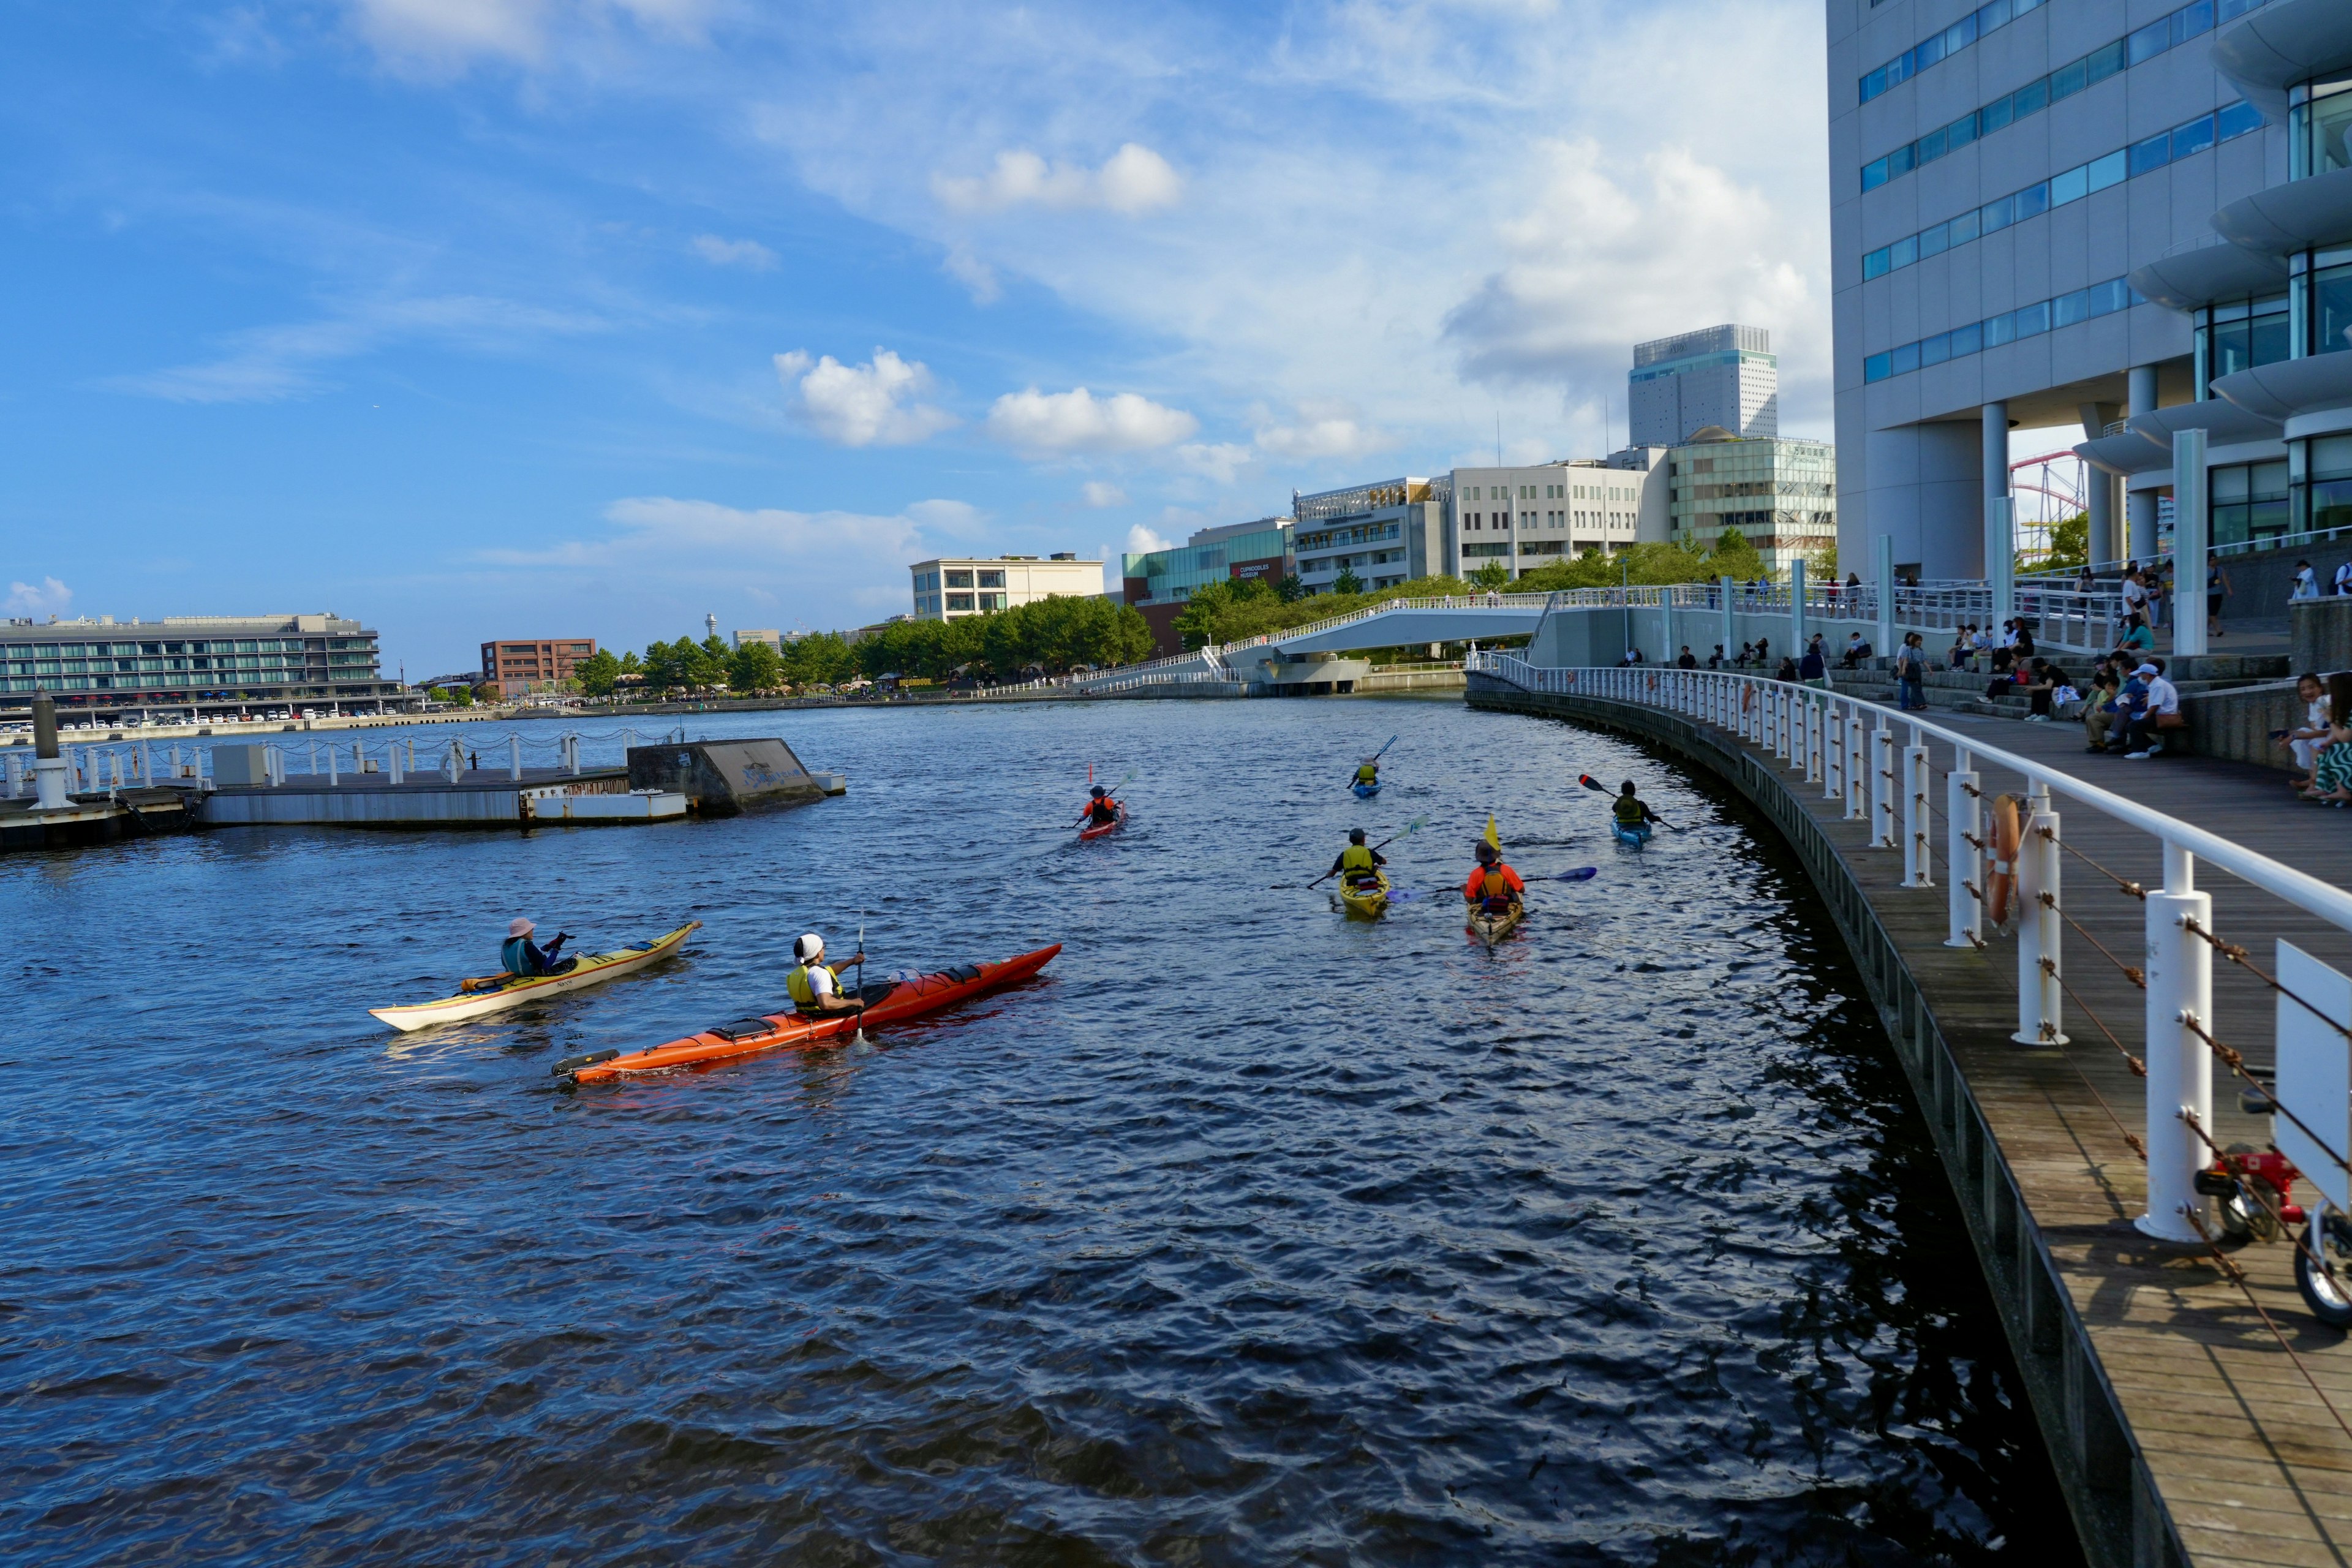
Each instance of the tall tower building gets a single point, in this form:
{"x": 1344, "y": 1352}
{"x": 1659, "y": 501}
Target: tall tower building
{"x": 1723, "y": 376}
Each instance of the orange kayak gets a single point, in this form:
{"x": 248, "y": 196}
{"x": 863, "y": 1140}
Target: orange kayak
{"x": 791, "y": 1031}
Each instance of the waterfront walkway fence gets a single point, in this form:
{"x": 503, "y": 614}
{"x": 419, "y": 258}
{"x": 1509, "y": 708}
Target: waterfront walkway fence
{"x": 1875, "y": 760}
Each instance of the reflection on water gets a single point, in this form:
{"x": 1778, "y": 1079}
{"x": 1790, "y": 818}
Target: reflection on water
{"x": 1246, "y": 1234}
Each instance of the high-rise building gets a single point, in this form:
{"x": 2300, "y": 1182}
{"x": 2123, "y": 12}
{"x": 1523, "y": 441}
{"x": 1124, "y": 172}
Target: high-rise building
{"x": 2043, "y": 214}
{"x": 1724, "y": 376}
{"x": 1781, "y": 496}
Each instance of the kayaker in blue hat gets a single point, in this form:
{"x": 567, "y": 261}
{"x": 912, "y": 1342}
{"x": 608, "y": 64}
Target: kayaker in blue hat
{"x": 522, "y": 956}
{"x": 1100, "y": 807}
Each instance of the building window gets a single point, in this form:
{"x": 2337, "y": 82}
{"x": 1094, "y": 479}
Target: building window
{"x": 2242, "y": 335}
{"x": 959, "y": 580}
{"x": 992, "y": 601}
{"x": 992, "y": 579}
{"x": 957, "y": 601}
{"x": 2327, "y": 500}
{"x": 2319, "y": 129}
{"x": 2330, "y": 307}
{"x": 2249, "y": 501}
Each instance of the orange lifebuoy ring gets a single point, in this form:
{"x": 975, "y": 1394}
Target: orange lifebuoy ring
{"x": 2001, "y": 869}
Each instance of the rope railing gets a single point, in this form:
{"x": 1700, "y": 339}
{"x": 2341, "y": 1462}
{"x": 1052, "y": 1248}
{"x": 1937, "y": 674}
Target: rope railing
{"x": 1874, "y": 765}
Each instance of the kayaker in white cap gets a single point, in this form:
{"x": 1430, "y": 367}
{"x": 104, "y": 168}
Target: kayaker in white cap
{"x": 520, "y": 955}
{"x": 814, "y": 987}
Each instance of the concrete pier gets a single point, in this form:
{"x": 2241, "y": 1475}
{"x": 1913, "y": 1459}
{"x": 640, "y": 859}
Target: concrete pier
{"x": 2183, "y": 1413}
{"x": 476, "y": 797}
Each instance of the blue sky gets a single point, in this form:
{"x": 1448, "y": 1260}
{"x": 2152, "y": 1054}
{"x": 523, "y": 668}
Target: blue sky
{"x": 509, "y": 318}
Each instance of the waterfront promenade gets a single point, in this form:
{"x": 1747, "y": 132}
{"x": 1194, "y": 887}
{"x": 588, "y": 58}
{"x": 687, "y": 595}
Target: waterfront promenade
{"x": 2179, "y": 1405}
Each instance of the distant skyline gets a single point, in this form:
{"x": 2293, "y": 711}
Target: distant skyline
{"x": 478, "y": 319}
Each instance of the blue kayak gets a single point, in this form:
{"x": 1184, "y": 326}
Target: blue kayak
{"x": 1637, "y": 836}
{"x": 1366, "y": 792}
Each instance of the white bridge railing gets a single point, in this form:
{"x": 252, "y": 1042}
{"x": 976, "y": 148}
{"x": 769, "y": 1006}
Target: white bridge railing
{"x": 1875, "y": 761}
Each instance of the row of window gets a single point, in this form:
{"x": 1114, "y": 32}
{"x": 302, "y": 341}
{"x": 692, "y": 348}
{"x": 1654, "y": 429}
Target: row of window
{"x": 2026, "y": 321}
{"x": 1367, "y": 533}
{"x": 135, "y": 650}
{"x": 2250, "y": 332}
{"x": 281, "y": 668}
{"x": 2163, "y": 33}
{"x": 2189, "y": 22}
{"x": 966, "y": 603}
{"x": 2125, "y": 162}
{"x": 181, "y": 689}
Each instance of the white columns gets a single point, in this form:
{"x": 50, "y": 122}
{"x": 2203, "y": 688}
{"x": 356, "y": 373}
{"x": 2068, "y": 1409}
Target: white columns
{"x": 2000, "y": 557}
{"x": 1919, "y": 864}
{"x": 1797, "y": 609}
{"x": 1963, "y": 851}
{"x": 2040, "y": 1008}
{"x": 1882, "y": 573}
{"x": 1834, "y": 761}
{"x": 334, "y": 772}
{"x": 2192, "y": 533}
{"x": 1857, "y": 766}
{"x": 1882, "y": 786}
{"x": 2179, "y": 1070}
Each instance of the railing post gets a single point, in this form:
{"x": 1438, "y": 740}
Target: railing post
{"x": 2180, "y": 1072}
{"x": 1815, "y": 712}
{"x": 1832, "y": 748}
{"x": 1919, "y": 864}
{"x": 1964, "y": 852}
{"x": 1858, "y": 764}
{"x": 1781, "y": 709}
{"x": 1882, "y": 786}
{"x": 1801, "y": 724}
{"x": 2039, "y": 1015}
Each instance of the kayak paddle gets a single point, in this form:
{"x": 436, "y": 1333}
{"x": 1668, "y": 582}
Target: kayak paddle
{"x": 1375, "y": 757}
{"x": 1581, "y": 873}
{"x": 1589, "y": 782}
{"x": 1415, "y": 826}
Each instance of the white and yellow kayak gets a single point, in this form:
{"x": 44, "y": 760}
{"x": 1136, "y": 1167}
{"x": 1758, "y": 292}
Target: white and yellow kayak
{"x": 496, "y": 994}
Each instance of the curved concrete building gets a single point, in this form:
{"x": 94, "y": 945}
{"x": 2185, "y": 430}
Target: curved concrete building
{"x": 2052, "y": 211}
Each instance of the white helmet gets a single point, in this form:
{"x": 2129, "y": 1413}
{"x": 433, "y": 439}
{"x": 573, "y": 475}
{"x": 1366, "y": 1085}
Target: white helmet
{"x": 809, "y": 948}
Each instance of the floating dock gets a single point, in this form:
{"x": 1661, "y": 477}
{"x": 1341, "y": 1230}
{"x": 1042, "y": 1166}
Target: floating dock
{"x": 476, "y": 797}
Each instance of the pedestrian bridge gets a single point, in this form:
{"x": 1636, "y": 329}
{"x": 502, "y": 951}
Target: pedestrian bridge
{"x": 1598, "y": 625}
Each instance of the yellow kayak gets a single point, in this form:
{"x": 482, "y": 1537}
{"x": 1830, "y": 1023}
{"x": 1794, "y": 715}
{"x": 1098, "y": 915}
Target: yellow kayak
{"x": 1492, "y": 928}
{"x": 497, "y": 993}
{"x": 1369, "y": 900}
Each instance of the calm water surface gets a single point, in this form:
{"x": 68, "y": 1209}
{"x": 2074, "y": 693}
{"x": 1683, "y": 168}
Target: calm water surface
{"x": 1248, "y": 1234}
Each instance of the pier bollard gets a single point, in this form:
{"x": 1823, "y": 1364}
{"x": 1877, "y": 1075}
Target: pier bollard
{"x": 334, "y": 775}
{"x": 2039, "y": 1019}
{"x": 1882, "y": 787}
{"x": 514, "y": 757}
{"x": 16, "y": 775}
{"x": 454, "y": 761}
{"x": 1963, "y": 858}
{"x": 1918, "y": 863}
{"x": 392, "y": 755}
{"x": 2180, "y": 1072}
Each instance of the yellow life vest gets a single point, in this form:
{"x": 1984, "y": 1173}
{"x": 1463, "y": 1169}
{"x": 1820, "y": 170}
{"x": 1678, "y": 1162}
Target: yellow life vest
{"x": 1368, "y": 772}
{"x": 803, "y": 993}
{"x": 1357, "y": 860}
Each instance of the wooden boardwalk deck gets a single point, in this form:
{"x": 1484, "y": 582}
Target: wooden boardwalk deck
{"x": 2177, "y": 1423}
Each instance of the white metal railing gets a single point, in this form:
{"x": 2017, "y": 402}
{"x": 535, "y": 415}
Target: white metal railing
{"x": 1876, "y": 761}
{"x": 111, "y": 766}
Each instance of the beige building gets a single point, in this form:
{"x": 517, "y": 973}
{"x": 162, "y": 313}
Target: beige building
{"x": 1532, "y": 516}
{"x": 945, "y": 589}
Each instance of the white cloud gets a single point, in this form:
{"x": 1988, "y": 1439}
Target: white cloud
{"x": 974, "y": 274}
{"x": 870, "y": 405}
{"x": 1220, "y": 461}
{"x": 1132, "y": 181}
{"x": 1096, "y": 492}
{"x": 440, "y": 36}
{"x": 961, "y": 519}
{"x": 1321, "y": 429}
{"x": 1607, "y": 253}
{"x": 267, "y": 364}
{"x": 48, "y": 597}
{"x": 1141, "y": 540}
{"x": 721, "y": 252}
{"x": 1043, "y": 424}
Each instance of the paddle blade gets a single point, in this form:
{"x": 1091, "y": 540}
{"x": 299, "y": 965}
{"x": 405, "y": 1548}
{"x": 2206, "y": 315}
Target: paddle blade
{"x": 1494, "y": 839}
{"x": 1581, "y": 873}
{"x": 1589, "y": 782}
